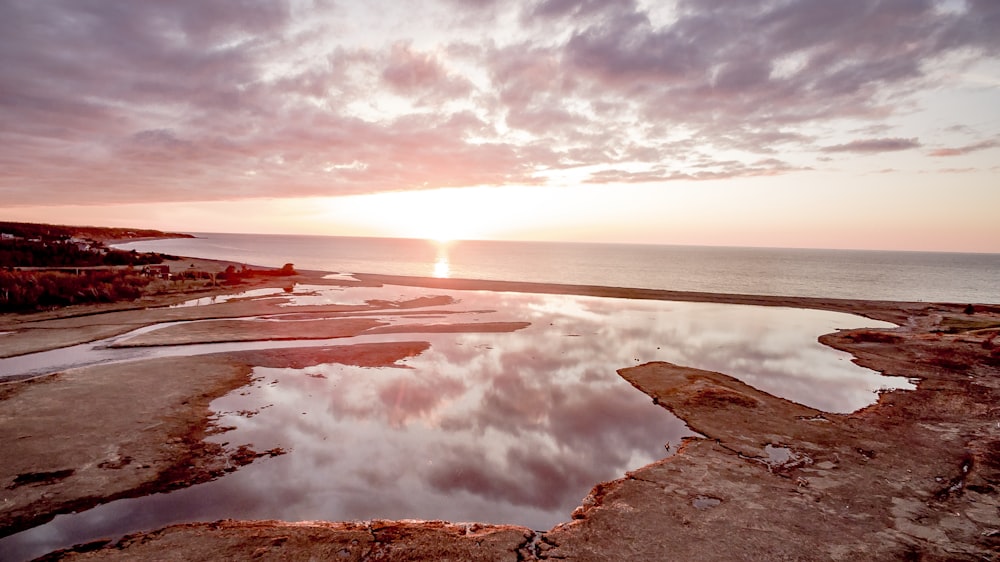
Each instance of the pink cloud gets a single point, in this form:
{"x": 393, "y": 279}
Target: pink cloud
{"x": 874, "y": 145}
{"x": 961, "y": 150}
{"x": 420, "y": 75}
{"x": 187, "y": 100}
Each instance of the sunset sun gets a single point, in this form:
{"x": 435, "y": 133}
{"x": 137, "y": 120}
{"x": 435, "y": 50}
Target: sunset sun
{"x": 441, "y": 215}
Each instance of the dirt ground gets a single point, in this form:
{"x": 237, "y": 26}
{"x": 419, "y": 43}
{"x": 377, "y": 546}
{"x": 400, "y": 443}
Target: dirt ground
{"x": 913, "y": 477}
{"x": 61, "y": 327}
{"x": 87, "y": 436}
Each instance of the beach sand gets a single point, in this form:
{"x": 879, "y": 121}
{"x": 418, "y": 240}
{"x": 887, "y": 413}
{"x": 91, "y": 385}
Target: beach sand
{"x": 914, "y": 476}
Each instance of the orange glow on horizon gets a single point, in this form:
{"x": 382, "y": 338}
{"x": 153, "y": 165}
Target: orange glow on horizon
{"x": 440, "y": 215}
{"x": 768, "y": 212}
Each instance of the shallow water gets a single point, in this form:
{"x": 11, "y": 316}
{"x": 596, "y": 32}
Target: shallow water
{"x": 496, "y": 427}
{"x": 772, "y": 348}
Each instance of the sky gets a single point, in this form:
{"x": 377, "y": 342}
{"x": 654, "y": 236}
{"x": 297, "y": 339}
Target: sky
{"x": 871, "y": 124}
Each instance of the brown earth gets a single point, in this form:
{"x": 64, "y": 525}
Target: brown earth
{"x": 214, "y": 331}
{"x": 913, "y": 477}
{"x": 87, "y": 436}
{"x": 72, "y": 325}
{"x": 321, "y": 540}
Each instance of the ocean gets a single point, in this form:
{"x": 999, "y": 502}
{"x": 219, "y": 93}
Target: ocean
{"x": 860, "y": 274}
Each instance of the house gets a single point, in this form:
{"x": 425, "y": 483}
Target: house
{"x": 80, "y": 243}
{"x": 161, "y": 271}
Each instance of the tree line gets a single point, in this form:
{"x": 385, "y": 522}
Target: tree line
{"x": 22, "y": 291}
{"x": 28, "y": 253}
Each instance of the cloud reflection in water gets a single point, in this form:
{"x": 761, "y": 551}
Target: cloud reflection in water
{"x": 496, "y": 427}
{"x": 517, "y": 427}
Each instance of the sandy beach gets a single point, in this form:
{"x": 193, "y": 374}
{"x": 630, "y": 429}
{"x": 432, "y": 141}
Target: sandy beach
{"x": 913, "y": 476}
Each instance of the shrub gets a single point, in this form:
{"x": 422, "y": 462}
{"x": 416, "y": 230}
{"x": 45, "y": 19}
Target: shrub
{"x": 34, "y": 290}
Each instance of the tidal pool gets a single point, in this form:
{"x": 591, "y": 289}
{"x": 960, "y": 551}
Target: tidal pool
{"x": 510, "y": 427}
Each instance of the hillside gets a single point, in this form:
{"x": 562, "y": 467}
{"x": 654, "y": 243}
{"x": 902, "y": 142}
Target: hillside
{"x": 47, "y": 232}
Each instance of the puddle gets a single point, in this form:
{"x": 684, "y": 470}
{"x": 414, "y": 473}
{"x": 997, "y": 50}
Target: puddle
{"x": 320, "y": 295}
{"x": 243, "y": 295}
{"x": 302, "y": 295}
{"x": 783, "y": 457}
{"x": 342, "y": 277}
{"x": 777, "y": 456}
{"x": 495, "y": 427}
{"x": 705, "y": 502}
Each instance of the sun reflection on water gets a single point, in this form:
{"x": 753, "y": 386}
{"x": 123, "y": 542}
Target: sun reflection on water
{"x": 442, "y": 268}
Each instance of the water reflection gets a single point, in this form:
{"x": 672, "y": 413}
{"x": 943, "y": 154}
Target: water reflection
{"x": 418, "y": 438}
{"x": 442, "y": 268}
{"x": 497, "y": 427}
{"x": 242, "y": 295}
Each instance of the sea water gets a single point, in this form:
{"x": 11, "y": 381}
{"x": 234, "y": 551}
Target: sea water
{"x": 853, "y": 274}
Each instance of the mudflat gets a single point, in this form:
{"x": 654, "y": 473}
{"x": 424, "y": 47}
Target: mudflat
{"x": 914, "y": 476}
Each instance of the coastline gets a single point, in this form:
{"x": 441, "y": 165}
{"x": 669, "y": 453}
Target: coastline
{"x": 949, "y": 351}
{"x": 169, "y": 236}
{"x": 20, "y": 342}
{"x": 890, "y": 311}
{"x": 892, "y": 276}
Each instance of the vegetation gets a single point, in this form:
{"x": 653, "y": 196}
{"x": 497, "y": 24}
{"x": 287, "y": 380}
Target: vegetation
{"x": 956, "y": 325}
{"x": 32, "y": 290}
{"x": 42, "y": 266}
{"x": 94, "y": 233}
{"x": 38, "y": 253}
{"x": 232, "y": 276}
{"x": 43, "y": 245}
{"x": 41, "y": 248}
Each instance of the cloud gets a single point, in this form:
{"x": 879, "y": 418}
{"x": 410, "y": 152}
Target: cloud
{"x": 961, "y": 150}
{"x": 420, "y": 75}
{"x": 874, "y": 146}
{"x": 708, "y": 170}
{"x": 574, "y": 8}
{"x": 126, "y": 101}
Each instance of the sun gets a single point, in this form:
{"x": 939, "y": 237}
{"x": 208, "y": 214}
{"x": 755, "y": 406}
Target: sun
{"x": 449, "y": 214}
{"x": 440, "y": 233}
{"x": 444, "y": 215}
{"x": 439, "y": 215}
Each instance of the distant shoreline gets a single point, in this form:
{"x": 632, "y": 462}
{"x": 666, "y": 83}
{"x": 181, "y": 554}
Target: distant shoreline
{"x": 178, "y": 236}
